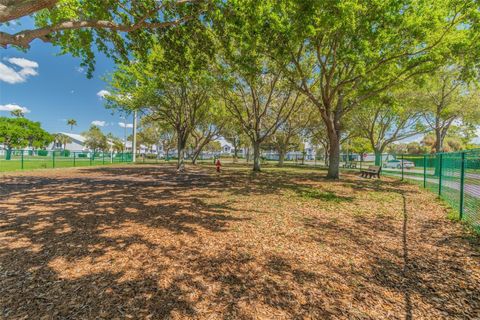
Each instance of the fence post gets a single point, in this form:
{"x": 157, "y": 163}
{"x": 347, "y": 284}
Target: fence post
{"x": 401, "y": 164}
{"x": 440, "y": 169}
{"x": 74, "y": 153}
{"x": 22, "y": 159}
{"x": 424, "y": 171}
{"x": 462, "y": 185}
{"x": 53, "y": 158}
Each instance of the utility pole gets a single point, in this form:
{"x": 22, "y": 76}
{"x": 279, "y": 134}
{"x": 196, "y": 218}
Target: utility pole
{"x": 134, "y": 145}
{"x": 134, "y": 140}
{"x": 124, "y": 132}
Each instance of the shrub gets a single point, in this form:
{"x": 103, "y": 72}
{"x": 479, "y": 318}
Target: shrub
{"x": 65, "y": 153}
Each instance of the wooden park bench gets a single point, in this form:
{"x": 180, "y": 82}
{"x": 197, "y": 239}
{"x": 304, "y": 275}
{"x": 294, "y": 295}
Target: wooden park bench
{"x": 372, "y": 171}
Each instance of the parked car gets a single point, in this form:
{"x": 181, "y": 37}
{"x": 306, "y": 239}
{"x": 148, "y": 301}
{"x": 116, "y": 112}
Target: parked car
{"x": 397, "y": 164}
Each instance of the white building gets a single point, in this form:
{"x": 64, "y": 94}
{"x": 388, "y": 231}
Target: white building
{"x": 77, "y": 143}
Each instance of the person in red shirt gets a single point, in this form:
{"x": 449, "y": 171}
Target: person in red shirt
{"x": 218, "y": 164}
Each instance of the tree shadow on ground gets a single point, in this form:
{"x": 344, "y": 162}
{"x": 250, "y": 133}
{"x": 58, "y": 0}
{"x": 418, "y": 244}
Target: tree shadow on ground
{"x": 137, "y": 242}
{"x": 423, "y": 273}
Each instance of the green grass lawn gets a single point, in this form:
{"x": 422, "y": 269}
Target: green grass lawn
{"x": 32, "y": 163}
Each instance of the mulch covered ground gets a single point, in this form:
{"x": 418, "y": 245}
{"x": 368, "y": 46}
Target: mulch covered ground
{"x": 144, "y": 242}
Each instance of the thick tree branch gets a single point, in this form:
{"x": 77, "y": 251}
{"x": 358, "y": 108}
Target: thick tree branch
{"x": 14, "y": 9}
{"x": 25, "y": 37}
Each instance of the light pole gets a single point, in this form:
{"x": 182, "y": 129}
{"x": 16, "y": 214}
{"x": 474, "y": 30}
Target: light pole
{"x": 124, "y": 117}
{"x": 134, "y": 140}
{"x": 134, "y": 144}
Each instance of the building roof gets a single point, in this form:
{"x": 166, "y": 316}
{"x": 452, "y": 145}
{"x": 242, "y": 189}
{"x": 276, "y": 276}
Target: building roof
{"x": 74, "y": 136}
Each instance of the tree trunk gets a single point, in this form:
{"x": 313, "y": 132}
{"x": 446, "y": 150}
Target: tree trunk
{"x": 247, "y": 154}
{"x": 196, "y": 154}
{"x": 334, "y": 156}
{"x": 281, "y": 157}
{"x": 438, "y": 140}
{"x": 256, "y": 156}
{"x": 181, "y": 154}
{"x": 165, "y": 151}
{"x": 235, "y": 154}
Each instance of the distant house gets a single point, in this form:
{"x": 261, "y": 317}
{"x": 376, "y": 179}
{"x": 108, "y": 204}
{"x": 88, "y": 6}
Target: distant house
{"x": 142, "y": 149}
{"x": 77, "y": 143}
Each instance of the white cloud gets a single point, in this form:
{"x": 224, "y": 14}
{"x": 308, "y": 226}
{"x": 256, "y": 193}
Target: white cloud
{"x": 11, "y": 107}
{"x": 125, "y": 125}
{"x": 103, "y": 93}
{"x": 9, "y": 75}
{"x": 98, "y": 123}
{"x": 80, "y": 69}
{"x": 19, "y": 70}
{"x": 28, "y": 72}
{"x": 23, "y": 63}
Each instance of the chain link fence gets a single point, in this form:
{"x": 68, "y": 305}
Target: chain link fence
{"x": 13, "y": 160}
{"x": 454, "y": 176}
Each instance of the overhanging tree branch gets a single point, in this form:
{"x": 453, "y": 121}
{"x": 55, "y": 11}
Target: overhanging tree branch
{"x": 13, "y": 9}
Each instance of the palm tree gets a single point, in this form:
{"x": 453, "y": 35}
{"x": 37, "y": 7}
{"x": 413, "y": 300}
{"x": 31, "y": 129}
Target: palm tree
{"x": 71, "y": 123}
{"x": 63, "y": 140}
{"x": 17, "y": 113}
{"x": 117, "y": 144}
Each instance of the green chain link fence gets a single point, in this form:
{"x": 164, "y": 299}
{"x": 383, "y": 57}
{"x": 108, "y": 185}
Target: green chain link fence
{"x": 12, "y": 160}
{"x": 454, "y": 176}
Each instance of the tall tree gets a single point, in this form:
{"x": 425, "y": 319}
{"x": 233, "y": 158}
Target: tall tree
{"x": 117, "y": 144}
{"x": 21, "y": 132}
{"x": 340, "y": 53}
{"x": 63, "y": 140}
{"x": 173, "y": 84}
{"x": 208, "y": 128}
{"x": 255, "y": 89}
{"x": 457, "y": 138}
{"x": 168, "y": 141}
{"x": 261, "y": 104}
{"x": 448, "y": 97}
{"x": 233, "y": 133}
{"x": 292, "y": 133}
{"x": 95, "y": 139}
{"x": 71, "y": 123}
{"x": 387, "y": 119}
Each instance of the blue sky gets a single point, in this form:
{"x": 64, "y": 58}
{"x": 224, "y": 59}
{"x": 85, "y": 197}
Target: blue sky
{"x": 54, "y": 88}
